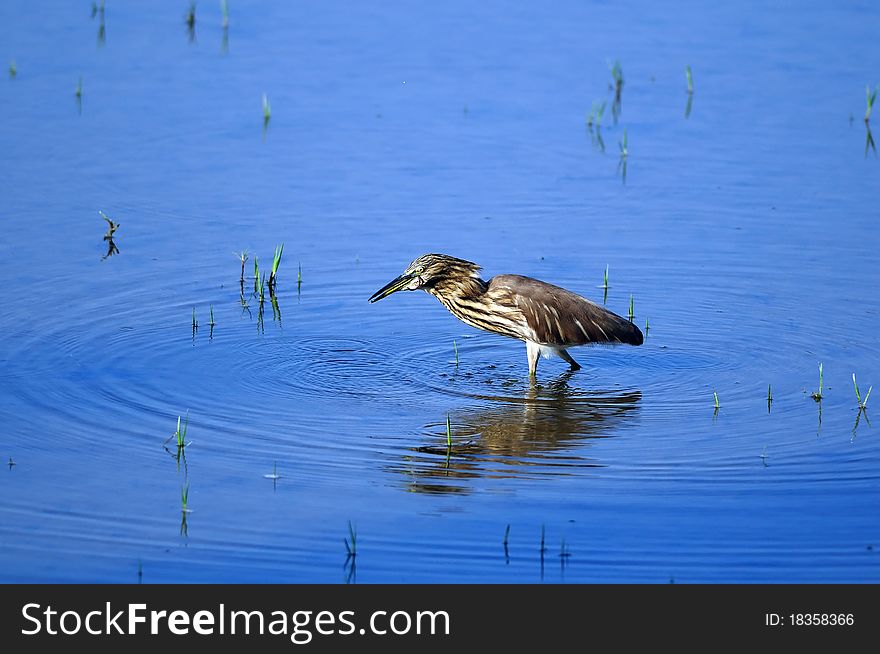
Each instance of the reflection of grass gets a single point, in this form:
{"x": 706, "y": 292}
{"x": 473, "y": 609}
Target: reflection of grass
{"x": 455, "y": 349}
{"x": 350, "y": 565}
{"x": 184, "y": 509}
{"x": 224, "y": 8}
{"x": 817, "y": 395}
{"x": 184, "y": 497}
{"x": 13, "y": 71}
{"x": 564, "y": 553}
{"x": 448, "y": 434}
{"x": 351, "y": 541}
{"x": 863, "y": 404}
{"x": 624, "y": 156}
{"x": 79, "y": 88}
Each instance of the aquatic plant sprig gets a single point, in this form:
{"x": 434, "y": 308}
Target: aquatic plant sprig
{"x": 267, "y": 110}
{"x": 870, "y": 98}
{"x": 863, "y": 404}
{"x": 455, "y": 349}
{"x": 190, "y": 17}
{"x": 224, "y": 10}
{"x": 717, "y": 403}
{"x": 631, "y": 315}
{"x": 276, "y": 261}
{"x": 179, "y": 434}
{"x": 274, "y": 476}
{"x": 690, "y": 79}
{"x": 448, "y": 434}
{"x": 595, "y": 115}
{"x": 242, "y": 257}
{"x": 617, "y": 77}
{"x": 111, "y": 226}
{"x": 817, "y": 395}
{"x": 13, "y": 69}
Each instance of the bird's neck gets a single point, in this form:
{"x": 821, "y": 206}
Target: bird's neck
{"x": 460, "y": 288}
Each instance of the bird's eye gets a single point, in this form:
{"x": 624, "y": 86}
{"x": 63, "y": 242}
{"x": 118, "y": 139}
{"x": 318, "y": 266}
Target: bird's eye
{"x": 420, "y": 269}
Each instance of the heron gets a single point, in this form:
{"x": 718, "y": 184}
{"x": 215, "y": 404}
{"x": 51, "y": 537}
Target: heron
{"x": 550, "y": 319}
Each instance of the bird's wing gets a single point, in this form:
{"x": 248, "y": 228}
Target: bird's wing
{"x": 557, "y": 317}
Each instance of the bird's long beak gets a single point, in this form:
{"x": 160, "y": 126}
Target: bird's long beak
{"x": 392, "y": 287}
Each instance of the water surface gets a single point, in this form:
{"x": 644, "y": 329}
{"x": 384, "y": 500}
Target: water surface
{"x": 745, "y": 232}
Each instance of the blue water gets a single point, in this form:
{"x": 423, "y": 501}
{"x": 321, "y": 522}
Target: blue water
{"x": 744, "y": 228}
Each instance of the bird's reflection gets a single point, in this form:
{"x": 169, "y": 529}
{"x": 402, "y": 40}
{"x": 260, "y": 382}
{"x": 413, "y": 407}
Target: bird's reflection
{"x": 533, "y": 434}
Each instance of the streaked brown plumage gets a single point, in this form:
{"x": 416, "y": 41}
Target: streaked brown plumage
{"x": 548, "y": 318}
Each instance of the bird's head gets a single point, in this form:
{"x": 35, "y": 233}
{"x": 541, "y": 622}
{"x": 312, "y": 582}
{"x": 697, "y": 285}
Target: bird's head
{"x": 426, "y": 272}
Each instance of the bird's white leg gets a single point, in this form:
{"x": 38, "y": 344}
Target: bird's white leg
{"x": 567, "y": 358}
{"x": 533, "y": 350}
